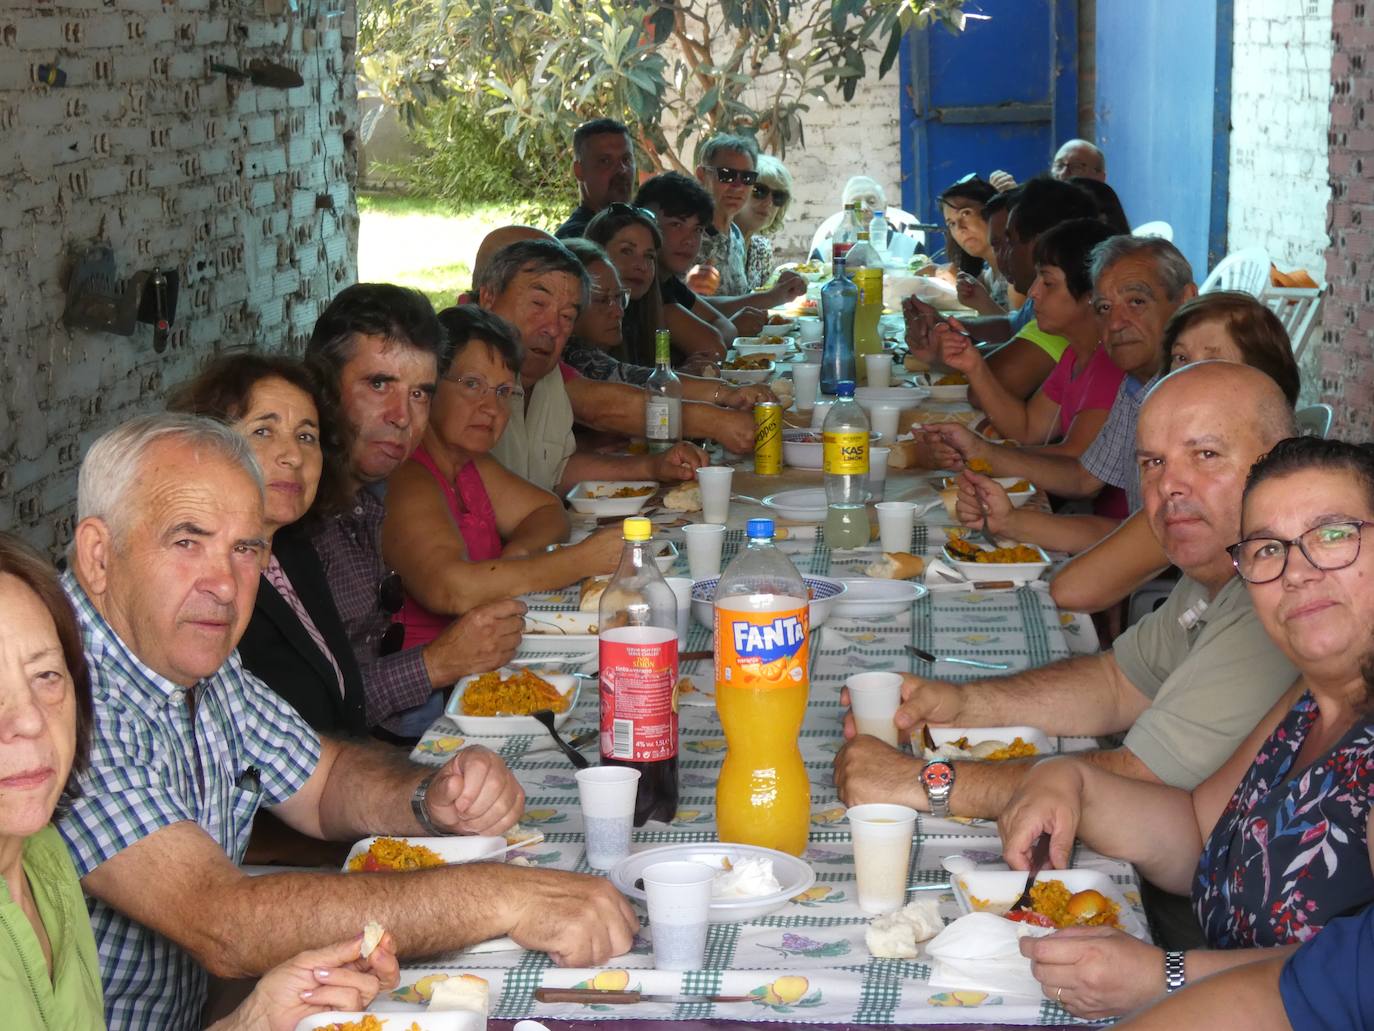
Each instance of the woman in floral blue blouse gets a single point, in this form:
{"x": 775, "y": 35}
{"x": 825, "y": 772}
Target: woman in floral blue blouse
{"x": 1274, "y": 844}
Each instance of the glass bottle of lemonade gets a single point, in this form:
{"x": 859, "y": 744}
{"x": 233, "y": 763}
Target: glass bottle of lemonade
{"x": 763, "y": 796}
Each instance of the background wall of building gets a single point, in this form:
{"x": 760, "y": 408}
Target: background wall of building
{"x": 173, "y": 165}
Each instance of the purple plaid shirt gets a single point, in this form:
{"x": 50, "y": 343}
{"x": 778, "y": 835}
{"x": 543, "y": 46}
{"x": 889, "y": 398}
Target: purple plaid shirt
{"x": 350, "y": 550}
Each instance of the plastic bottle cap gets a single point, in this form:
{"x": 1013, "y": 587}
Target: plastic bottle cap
{"x": 637, "y": 528}
{"x": 757, "y": 528}
{"x": 844, "y": 388}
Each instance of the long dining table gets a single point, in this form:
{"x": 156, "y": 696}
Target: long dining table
{"x": 808, "y": 961}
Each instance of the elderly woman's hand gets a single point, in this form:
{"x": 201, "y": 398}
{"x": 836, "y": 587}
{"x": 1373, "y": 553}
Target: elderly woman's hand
{"x": 982, "y": 498}
{"x": 921, "y": 319}
{"x": 1048, "y": 801}
{"x": 680, "y": 462}
{"x": 1096, "y": 972}
{"x": 599, "y": 552}
{"x": 953, "y": 446}
{"x": 745, "y": 397}
{"x": 956, "y": 347}
{"x": 973, "y": 294}
{"x": 749, "y": 321}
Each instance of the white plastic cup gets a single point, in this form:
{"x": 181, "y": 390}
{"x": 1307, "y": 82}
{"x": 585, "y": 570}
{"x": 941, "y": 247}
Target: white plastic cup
{"x": 896, "y": 520}
{"x": 819, "y": 411}
{"x": 882, "y": 836}
{"x": 806, "y": 379}
{"x": 682, "y": 591}
{"x": 877, "y": 469}
{"x": 879, "y": 369}
{"x": 809, "y": 329}
{"x": 704, "y": 544}
{"x": 884, "y": 421}
{"x": 873, "y": 699}
{"x": 715, "y": 492}
{"x": 608, "y": 812}
{"x": 679, "y": 896}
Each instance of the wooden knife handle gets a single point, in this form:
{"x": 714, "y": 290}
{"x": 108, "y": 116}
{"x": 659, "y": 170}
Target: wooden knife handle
{"x": 584, "y": 995}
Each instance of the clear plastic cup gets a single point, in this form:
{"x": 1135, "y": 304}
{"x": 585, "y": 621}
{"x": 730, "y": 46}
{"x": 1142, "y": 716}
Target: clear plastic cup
{"x": 679, "y": 897}
{"x": 873, "y": 699}
{"x": 682, "y": 591}
{"x": 879, "y": 369}
{"x": 896, "y": 519}
{"x": 608, "y": 811}
{"x": 806, "y": 380}
{"x": 882, "y": 836}
{"x": 714, "y": 481}
{"x": 704, "y": 544}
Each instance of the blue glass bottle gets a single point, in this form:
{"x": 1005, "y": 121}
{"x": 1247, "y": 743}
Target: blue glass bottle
{"x": 839, "y": 300}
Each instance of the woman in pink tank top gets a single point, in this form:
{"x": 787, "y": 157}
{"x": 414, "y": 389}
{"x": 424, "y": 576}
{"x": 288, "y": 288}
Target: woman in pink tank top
{"x": 460, "y": 529}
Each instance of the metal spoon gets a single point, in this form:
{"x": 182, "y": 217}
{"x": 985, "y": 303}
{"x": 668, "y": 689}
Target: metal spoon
{"x": 545, "y": 716}
{"x": 926, "y": 656}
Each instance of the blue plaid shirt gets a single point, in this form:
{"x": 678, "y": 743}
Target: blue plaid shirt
{"x": 154, "y": 762}
{"x": 1111, "y": 455}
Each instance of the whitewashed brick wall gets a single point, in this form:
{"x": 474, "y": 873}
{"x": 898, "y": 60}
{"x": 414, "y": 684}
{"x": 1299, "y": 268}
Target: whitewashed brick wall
{"x": 1280, "y": 115}
{"x": 172, "y": 165}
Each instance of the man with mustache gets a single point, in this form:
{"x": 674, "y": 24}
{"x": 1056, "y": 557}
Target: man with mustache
{"x": 604, "y": 167}
{"x": 381, "y": 349}
{"x": 1185, "y": 684}
{"x": 187, "y": 746}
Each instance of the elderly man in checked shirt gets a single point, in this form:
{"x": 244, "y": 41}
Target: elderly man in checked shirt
{"x": 187, "y": 746}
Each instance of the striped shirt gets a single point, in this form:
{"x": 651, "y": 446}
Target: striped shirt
{"x": 157, "y": 759}
{"x": 1111, "y": 455}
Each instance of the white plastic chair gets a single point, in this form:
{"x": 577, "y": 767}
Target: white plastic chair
{"x": 1246, "y": 270}
{"x": 1315, "y": 420}
{"x": 1161, "y": 229}
{"x": 1297, "y": 309}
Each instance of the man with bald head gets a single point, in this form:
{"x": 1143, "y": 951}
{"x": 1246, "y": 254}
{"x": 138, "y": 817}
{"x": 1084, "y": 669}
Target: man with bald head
{"x": 1079, "y": 159}
{"x": 1186, "y": 683}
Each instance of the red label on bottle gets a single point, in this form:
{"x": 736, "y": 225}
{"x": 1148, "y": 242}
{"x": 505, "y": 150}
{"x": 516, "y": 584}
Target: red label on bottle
{"x": 639, "y": 693}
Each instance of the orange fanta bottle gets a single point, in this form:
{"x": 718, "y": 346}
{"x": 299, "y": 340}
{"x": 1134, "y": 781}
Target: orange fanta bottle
{"x": 763, "y": 677}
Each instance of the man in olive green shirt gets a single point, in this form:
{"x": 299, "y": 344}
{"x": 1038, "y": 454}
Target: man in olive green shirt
{"x": 1189, "y": 681}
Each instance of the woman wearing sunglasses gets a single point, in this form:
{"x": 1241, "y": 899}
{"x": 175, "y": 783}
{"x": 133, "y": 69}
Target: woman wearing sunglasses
{"x": 295, "y": 641}
{"x": 761, "y": 218}
{"x": 1275, "y": 844}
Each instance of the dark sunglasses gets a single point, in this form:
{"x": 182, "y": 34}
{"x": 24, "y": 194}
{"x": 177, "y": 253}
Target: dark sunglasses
{"x": 390, "y": 594}
{"x": 728, "y": 176}
{"x": 780, "y": 197}
{"x": 621, "y": 208}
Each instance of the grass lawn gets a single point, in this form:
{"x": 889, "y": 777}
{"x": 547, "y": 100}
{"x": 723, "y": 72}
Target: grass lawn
{"x": 430, "y": 244}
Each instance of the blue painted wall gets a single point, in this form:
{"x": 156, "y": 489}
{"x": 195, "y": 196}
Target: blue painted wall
{"x": 1163, "y": 111}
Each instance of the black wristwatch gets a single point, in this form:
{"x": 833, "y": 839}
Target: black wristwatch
{"x": 1174, "y": 975}
{"x": 419, "y": 807}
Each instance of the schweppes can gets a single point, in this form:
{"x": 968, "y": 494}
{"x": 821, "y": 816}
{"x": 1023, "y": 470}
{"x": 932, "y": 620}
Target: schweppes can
{"x": 768, "y": 438}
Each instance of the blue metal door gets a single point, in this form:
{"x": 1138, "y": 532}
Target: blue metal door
{"x": 1164, "y": 114}
{"x": 1001, "y": 94}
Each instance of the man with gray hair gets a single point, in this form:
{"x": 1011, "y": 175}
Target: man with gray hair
{"x": 1079, "y": 159}
{"x": 187, "y": 746}
{"x": 1138, "y": 284}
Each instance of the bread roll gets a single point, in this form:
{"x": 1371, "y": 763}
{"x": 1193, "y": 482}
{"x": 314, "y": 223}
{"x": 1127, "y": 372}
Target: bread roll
{"x": 589, "y": 596}
{"x": 896, "y": 565}
{"x": 902, "y": 455}
{"x": 685, "y": 497}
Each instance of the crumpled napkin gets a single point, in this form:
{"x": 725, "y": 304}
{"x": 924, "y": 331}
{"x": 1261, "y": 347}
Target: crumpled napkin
{"x": 979, "y": 952}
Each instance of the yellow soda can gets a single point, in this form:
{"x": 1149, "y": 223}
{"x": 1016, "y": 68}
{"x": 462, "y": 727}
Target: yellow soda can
{"x": 768, "y": 438}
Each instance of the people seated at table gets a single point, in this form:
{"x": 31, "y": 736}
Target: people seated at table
{"x": 1188, "y": 682}
{"x": 1065, "y": 415}
{"x": 1109, "y": 208}
{"x": 597, "y": 333}
{"x": 1079, "y": 159}
{"x": 187, "y": 746}
{"x": 762, "y": 217}
{"x": 295, "y": 642}
{"x": 1274, "y": 844}
{"x": 460, "y": 528}
{"x": 727, "y": 169}
{"x": 380, "y": 350}
{"x": 540, "y": 288}
{"x": 604, "y": 167}
{"x": 49, "y": 969}
{"x": 1138, "y": 283}
{"x": 968, "y": 246}
{"x": 1224, "y": 326}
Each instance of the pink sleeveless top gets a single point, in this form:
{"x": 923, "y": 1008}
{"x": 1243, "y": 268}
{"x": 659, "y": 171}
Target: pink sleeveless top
{"x": 471, "y": 509}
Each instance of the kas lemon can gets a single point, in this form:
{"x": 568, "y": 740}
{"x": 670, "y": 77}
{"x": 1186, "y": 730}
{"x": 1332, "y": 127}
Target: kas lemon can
{"x": 768, "y": 438}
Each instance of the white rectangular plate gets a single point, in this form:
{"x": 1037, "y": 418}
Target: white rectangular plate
{"x": 1031, "y": 735}
{"x": 592, "y": 497}
{"x": 1003, "y": 887}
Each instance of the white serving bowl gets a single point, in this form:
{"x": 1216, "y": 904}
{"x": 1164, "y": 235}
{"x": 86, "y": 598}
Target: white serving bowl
{"x": 500, "y": 726}
{"x": 757, "y": 345}
{"x": 665, "y": 554}
{"x": 956, "y": 392}
{"x": 866, "y": 596}
{"x": 428, "y": 1020}
{"x": 802, "y": 448}
{"x": 1000, "y": 888}
{"x": 1019, "y": 572}
{"x": 452, "y": 850}
{"x": 793, "y": 874}
{"x": 745, "y": 376}
{"x": 1017, "y": 498}
{"x": 786, "y": 328}
{"x": 906, "y": 397}
{"x": 592, "y": 497}
{"x": 823, "y": 590}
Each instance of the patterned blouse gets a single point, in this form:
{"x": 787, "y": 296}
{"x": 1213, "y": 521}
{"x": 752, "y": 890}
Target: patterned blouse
{"x": 1288, "y": 855}
{"x": 758, "y": 261}
{"x": 726, "y": 252}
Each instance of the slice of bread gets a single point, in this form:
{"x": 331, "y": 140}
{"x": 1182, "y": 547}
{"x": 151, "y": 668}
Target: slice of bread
{"x": 896, "y": 565}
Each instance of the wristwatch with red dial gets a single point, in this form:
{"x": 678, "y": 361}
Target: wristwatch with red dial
{"x": 938, "y": 778}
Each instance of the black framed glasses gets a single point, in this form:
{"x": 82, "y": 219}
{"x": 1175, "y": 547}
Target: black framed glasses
{"x": 730, "y": 176}
{"x": 1328, "y": 546}
{"x": 780, "y": 197}
{"x": 619, "y": 207}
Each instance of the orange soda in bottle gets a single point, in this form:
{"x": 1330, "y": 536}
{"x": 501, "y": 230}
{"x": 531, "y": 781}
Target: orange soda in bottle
{"x": 763, "y": 677}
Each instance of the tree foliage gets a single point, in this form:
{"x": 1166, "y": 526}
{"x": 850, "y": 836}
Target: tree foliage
{"x": 676, "y": 70}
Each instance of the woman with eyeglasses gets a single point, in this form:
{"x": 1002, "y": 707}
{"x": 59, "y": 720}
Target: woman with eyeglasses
{"x": 762, "y": 217}
{"x": 972, "y": 260}
{"x": 295, "y": 641}
{"x": 460, "y": 528}
{"x": 1275, "y": 844}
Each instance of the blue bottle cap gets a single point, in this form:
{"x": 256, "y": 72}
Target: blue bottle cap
{"x": 844, "y": 388}
{"x": 757, "y": 528}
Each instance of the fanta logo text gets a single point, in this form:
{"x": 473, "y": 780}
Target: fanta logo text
{"x": 768, "y": 642}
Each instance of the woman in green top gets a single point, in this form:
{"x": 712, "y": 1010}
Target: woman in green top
{"x": 49, "y": 974}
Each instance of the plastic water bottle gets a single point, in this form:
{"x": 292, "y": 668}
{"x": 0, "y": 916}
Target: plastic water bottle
{"x": 845, "y": 446}
{"x": 878, "y": 230}
{"x": 839, "y": 300}
{"x": 763, "y": 796}
{"x": 662, "y": 399}
{"x": 637, "y": 645}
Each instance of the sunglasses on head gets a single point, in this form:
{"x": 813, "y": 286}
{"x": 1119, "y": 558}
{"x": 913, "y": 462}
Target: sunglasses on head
{"x": 729, "y": 176}
{"x": 780, "y": 197}
{"x": 621, "y": 208}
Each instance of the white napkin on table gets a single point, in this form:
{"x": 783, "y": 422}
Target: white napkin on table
{"x": 979, "y": 952}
